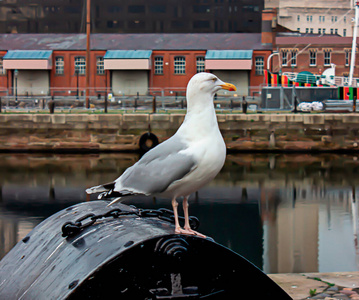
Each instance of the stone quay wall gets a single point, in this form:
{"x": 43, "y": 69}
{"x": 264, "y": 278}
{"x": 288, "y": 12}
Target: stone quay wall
{"x": 117, "y": 132}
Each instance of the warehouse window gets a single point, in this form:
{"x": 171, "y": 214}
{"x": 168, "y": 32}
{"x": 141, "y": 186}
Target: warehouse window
{"x": 80, "y": 65}
{"x": 259, "y": 65}
{"x": 284, "y": 57}
{"x": 293, "y": 60}
{"x": 100, "y": 67}
{"x": 347, "y": 56}
{"x": 158, "y": 65}
{"x": 312, "y": 57}
{"x": 200, "y": 64}
{"x": 180, "y": 65}
{"x": 59, "y": 65}
{"x": 2, "y": 70}
{"x": 327, "y": 54}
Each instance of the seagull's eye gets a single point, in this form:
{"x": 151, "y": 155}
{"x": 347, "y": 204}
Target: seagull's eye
{"x": 214, "y": 79}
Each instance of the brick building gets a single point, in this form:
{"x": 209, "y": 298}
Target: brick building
{"x": 41, "y": 64}
{"x": 314, "y": 54}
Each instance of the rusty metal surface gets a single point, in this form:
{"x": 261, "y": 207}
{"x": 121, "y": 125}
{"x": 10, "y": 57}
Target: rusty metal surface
{"x": 150, "y": 41}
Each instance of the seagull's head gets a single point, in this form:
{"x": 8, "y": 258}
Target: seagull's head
{"x": 207, "y": 83}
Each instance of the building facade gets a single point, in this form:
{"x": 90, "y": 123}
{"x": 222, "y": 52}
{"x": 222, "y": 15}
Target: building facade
{"x": 314, "y": 54}
{"x": 315, "y": 17}
{"x": 131, "y": 16}
{"x": 128, "y": 64}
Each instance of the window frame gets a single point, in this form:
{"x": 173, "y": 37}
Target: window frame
{"x": 80, "y": 67}
{"x": 326, "y": 53}
{"x": 259, "y": 65}
{"x": 2, "y": 70}
{"x": 284, "y": 57}
{"x": 158, "y": 66}
{"x": 200, "y": 64}
{"x": 347, "y": 57}
{"x": 312, "y": 58}
{"x": 293, "y": 57}
{"x": 179, "y": 64}
{"x": 57, "y": 65}
{"x": 100, "y": 65}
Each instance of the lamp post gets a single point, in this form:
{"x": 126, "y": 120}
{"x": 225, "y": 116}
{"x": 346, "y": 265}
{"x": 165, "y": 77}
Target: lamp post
{"x": 16, "y": 73}
{"x": 352, "y": 59}
{"x": 77, "y": 82}
{"x": 88, "y": 32}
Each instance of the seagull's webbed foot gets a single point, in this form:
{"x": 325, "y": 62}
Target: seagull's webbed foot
{"x": 193, "y": 232}
{"x": 187, "y": 229}
{"x": 189, "y": 232}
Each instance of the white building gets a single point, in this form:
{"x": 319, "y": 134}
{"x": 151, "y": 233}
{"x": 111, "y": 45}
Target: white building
{"x": 315, "y": 16}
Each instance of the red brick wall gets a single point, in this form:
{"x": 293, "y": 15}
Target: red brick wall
{"x": 256, "y": 80}
{"x": 337, "y": 57}
{"x": 169, "y": 79}
{"x": 5, "y": 79}
{"x": 68, "y": 80}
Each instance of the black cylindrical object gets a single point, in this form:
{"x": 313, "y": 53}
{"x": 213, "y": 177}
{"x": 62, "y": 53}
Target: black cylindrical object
{"x": 51, "y": 105}
{"x": 295, "y": 109}
{"x": 244, "y": 105}
{"x": 130, "y": 256}
{"x": 354, "y": 104}
{"x": 154, "y": 105}
{"x": 106, "y": 103}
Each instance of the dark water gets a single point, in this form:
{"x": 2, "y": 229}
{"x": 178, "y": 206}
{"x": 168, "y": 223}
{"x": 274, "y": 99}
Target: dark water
{"x": 285, "y": 213}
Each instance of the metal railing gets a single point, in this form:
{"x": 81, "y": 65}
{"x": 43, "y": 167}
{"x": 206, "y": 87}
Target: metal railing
{"x": 115, "y": 103}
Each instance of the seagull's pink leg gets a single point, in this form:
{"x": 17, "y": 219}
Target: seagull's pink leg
{"x": 178, "y": 228}
{"x": 187, "y": 227}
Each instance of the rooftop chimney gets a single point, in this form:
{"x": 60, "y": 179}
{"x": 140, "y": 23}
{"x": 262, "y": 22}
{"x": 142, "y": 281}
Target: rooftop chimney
{"x": 269, "y": 24}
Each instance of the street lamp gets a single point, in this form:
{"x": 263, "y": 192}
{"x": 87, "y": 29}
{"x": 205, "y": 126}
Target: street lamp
{"x": 16, "y": 73}
{"x": 77, "y": 82}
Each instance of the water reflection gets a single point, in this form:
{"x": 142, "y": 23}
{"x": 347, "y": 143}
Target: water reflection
{"x": 285, "y": 213}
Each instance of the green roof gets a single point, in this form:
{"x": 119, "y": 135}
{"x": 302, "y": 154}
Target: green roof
{"x": 229, "y": 54}
{"x": 128, "y": 54}
{"x": 28, "y": 54}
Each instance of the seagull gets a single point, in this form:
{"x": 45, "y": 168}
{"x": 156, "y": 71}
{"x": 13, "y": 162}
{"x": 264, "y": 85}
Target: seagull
{"x": 182, "y": 164}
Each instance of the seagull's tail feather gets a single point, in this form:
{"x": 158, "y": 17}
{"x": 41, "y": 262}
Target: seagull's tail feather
{"x": 107, "y": 192}
{"x": 101, "y": 188}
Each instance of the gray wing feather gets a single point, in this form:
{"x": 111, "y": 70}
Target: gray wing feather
{"x": 157, "y": 169}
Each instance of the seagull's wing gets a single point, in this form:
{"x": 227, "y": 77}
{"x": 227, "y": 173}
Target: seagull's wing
{"x": 157, "y": 169}
{"x": 153, "y": 173}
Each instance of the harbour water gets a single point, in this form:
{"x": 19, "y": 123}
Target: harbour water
{"x": 285, "y": 213}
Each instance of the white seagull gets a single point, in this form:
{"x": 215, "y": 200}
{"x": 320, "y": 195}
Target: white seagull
{"x": 184, "y": 163}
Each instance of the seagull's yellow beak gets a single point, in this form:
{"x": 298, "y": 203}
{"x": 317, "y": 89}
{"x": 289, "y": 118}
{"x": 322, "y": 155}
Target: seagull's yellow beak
{"x": 229, "y": 86}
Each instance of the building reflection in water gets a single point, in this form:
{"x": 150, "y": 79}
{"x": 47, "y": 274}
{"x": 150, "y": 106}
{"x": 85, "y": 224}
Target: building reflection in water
{"x": 285, "y": 213}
